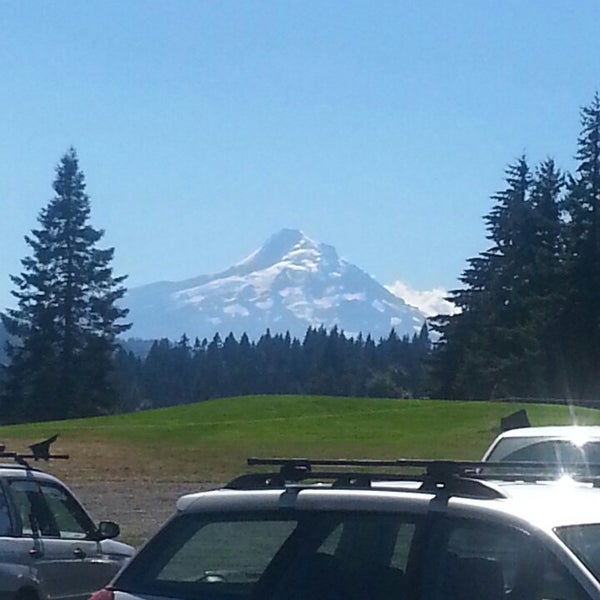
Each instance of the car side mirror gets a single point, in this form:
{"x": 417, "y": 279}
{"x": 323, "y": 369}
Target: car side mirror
{"x": 108, "y": 530}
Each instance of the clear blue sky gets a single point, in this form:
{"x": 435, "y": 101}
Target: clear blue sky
{"x": 204, "y": 127}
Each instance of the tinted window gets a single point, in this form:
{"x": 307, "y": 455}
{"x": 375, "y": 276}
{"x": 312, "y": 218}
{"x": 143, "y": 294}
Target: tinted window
{"x": 49, "y": 510}
{"x": 282, "y": 556}
{"x": 70, "y": 519}
{"x": 584, "y": 541}
{"x": 205, "y": 552}
{"x": 5, "y": 522}
{"x": 561, "y": 451}
{"x": 32, "y": 509}
{"x": 490, "y": 562}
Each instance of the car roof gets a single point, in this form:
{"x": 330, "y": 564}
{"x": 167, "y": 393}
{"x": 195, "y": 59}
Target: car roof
{"x": 553, "y": 503}
{"x": 554, "y": 431}
{"x": 515, "y": 494}
{"x": 16, "y": 470}
{"x": 538, "y": 505}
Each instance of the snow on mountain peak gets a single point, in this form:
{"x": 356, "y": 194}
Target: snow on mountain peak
{"x": 288, "y": 245}
{"x": 288, "y": 284}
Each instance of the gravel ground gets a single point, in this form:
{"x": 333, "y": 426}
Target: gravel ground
{"x": 139, "y": 508}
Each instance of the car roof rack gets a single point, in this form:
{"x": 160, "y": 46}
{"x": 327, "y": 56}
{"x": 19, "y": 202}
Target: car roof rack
{"x": 532, "y": 471}
{"x": 435, "y": 476}
{"x": 472, "y": 479}
{"x": 39, "y": 451}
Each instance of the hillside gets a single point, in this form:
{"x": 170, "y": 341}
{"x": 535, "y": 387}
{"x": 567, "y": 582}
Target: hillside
{"x": 211, "y": 440}
{"x": 131, "y": 468}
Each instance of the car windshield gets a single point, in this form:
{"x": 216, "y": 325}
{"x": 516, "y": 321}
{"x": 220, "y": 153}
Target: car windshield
{"x": 545, "y": 450}
{"x": 584, "y": 541}
{"x": 265, "y": 555}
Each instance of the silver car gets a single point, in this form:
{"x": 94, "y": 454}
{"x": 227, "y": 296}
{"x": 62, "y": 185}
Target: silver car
{"x": 374, "y": 530}
{"x": 50, "y": 549}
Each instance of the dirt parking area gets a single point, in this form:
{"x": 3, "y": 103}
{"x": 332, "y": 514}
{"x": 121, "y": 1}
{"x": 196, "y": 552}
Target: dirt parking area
{"x": 140, "y": 508}
{"x": 115, "y": 482}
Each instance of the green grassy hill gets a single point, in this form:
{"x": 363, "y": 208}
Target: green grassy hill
{"x": 211, "y": 440}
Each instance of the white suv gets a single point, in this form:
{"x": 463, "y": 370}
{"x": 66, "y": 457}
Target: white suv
{"x": 50, "y": 549}
{"x": 548, "y": 444}
{"x": 375, "y": 530}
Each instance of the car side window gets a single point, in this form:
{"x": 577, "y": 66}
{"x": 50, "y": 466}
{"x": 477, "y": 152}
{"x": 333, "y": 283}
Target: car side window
{"x": 70, "y": 518}
{"x": 5, "y": 522}
{"x": 49, "y": 510}
{"x": 485, "y": 561}
{"x": 34, "y": 515}
{"x": 370, "y": 554}
{"x": 556, "y": 582}
{"x": 202, "y": 551}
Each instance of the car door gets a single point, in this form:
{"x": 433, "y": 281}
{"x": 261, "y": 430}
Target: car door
{"x": 91, "y": 569}
{"x": 38, "y": 545}
{"x": 56, "y": 540}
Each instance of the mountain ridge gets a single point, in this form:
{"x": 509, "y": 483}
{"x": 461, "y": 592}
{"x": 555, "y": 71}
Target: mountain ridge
{"x": 288, "y": 284}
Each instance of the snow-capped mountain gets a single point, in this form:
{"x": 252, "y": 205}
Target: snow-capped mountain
{"x": 289, "y": 284}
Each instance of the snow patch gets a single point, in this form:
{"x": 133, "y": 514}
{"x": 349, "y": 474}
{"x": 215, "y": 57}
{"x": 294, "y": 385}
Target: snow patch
{"x": 378, "y": 305}
{"x": 236, "y": 309}
{"x": 325, "y": 302}
{"x": 359, "y": 296}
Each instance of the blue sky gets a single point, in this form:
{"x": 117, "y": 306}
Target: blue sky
{"x": 381, "y": 128}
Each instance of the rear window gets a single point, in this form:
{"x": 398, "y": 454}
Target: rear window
{"x": 549, "y": 451}
{"x": 271, "y": 555}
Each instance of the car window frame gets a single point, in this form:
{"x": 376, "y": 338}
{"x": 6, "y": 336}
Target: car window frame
{"x": 139, "y": 577}
{"x": 88, "y": 523}
{"x": 12, "y": 514}
{"x": 443, "y": 524}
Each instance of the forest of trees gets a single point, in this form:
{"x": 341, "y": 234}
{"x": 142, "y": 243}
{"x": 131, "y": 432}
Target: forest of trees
{"x": 324, "y": 363}
{"x": 527, "y": 323}
{"x": 529, "y": 318}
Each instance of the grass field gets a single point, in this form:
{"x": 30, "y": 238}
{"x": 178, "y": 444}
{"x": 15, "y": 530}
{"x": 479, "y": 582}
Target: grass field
{"x": 131, "y": 468}
{"x": 209, "y": 441}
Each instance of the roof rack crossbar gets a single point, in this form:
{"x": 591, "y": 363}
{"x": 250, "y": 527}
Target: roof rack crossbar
{"x": 39, "y": 451}
{"x": 368, "y": 480}
{"x": 437, "y": 466}
{"x": 465, "y": 478}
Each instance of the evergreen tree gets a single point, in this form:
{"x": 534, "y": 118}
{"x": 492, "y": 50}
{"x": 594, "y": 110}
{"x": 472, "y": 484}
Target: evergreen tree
{"x": 417, "y": 360}
{"x": 489, "y": 348}
{"x": 247, "y": 372}
{"x": 128, "y": 380}
{"x": 213, "y": 380}
{"x": 581, "y": 324}
{"x": 326, "y": 363}
{"x": 527, "y": 282}
{"x": 546, "y": 292}
{"x": 67, "y": 319}
{"x": 504, "y": 339}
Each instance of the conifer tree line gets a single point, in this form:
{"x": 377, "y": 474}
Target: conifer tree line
{"x": 529, "y": 310}
{"x": 527, "y": 323}
{"x": 323, "y": 363}
{"x": 64, "y": 353}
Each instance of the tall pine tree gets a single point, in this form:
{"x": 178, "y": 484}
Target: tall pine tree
{"x": 493, "y": 346}
{"x": 64, "y": 329}
{"x": 581, "y": 324}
